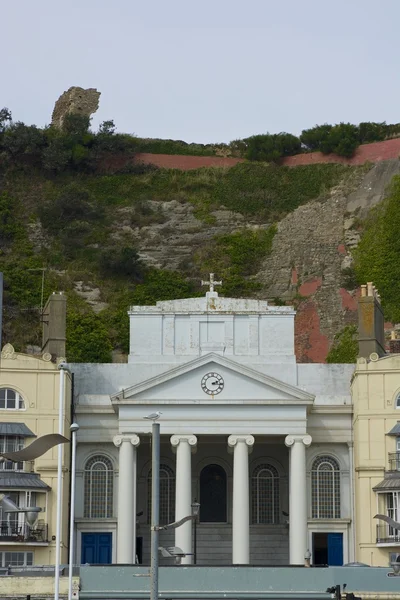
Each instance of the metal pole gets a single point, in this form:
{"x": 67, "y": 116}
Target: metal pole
{"x": 195, "y": 541}
{"x": 74, "y": 429}
{"x": 155, "y": 509}
{"x": 59, "y": 486}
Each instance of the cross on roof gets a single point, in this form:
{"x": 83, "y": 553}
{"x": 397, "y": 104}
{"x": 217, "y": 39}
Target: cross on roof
{"x": 211, "y": 283}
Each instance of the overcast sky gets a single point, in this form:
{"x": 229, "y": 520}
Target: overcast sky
{"x": 205, "y": 71}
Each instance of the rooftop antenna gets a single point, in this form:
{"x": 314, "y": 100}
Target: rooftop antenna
{"x": 43, "y": 269}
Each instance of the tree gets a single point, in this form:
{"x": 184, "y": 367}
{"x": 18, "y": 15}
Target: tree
{"x": 87, "y": 338}
{"x": 5, "y": 118}
{"x": 107, "y": 128}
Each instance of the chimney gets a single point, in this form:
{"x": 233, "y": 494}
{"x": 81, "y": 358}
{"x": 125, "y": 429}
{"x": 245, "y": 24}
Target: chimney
{"x": 371, "y": 330}
{"x": 54, "y": 325}
{"x": 394, "y": 344}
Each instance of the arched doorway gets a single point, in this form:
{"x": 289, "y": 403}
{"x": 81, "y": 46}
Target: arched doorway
{"x": 213, "y": 495}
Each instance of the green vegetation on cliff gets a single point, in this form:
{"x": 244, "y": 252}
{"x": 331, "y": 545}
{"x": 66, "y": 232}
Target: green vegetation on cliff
{"x": 60, "y": 212}
{"x": 377, "y": 257}
{"x": 345, "y": 346}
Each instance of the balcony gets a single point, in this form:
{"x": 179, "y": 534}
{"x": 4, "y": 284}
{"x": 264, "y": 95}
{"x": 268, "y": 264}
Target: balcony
{"x": 22, "y": 533}
{"x": 387, "y": 535}
{"x": 394, "y": 461}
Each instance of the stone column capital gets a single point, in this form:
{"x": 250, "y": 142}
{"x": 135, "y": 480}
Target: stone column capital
{"x": 290, "y": 440}
{"x": 233, "y": 440}
{"x": 177, "y": 438}
{"x": 126, "y": 437}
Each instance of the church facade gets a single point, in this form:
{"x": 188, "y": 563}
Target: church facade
{"x": 262, "y": 443}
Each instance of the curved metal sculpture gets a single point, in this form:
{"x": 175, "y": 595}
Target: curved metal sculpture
{"x": 36, "y": 448}
{"x": 388, "y": 520}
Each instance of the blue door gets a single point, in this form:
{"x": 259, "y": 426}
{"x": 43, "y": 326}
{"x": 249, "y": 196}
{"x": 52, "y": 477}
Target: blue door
{"x": 96, "y": 548}
{"x": 335, "y": 549}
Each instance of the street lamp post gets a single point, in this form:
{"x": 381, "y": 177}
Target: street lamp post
{"x": 195, "y": 510}
{"x": 155, "y": 505}
{"x": 59, "y": 483}
{"x": 74, "y": 429}
{"x": 155, "y": 508}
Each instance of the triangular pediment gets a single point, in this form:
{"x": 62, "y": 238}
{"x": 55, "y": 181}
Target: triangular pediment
{"x": 240, "y": 384}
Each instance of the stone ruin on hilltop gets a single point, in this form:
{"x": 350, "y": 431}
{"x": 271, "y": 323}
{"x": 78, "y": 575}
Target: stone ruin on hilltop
{"x": 76, "y": 100}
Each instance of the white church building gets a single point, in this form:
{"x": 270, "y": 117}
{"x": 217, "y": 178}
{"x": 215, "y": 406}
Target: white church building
{"x": 262, "y": 443}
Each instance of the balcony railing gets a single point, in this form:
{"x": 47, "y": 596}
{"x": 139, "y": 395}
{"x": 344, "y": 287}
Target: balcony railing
{"x": 387, "y": 535}
{"x": 17, "y": 532}
{"x": 394, "y": 461}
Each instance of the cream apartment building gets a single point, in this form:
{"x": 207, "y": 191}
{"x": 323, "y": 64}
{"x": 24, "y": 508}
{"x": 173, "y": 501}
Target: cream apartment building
{"x": 376, "y": 430}
{"x": 29, "y": 407}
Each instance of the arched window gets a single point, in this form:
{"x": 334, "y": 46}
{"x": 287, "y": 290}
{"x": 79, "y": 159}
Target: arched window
{"x": 99, "y": 487}
{"x": 11, "y": 400}
{"x": 213, "y": 495}
{"x": 265, "y": 494}
{"x": 167, "y": 495}
{"x": 325, "y": 488}
{"x": 397, "y": 401}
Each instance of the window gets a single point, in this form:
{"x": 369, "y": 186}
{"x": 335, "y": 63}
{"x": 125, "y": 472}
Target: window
{"x": 325, "y": 488}
{"x": 392, "y": 507}
{"x": 11, "y": 443}
{"x": 167, "y": 495}
{"x": 16, "y": 559}
{"x": 98, "y": 488}
{"x": 265, "y": 494}
{"x": 11, "y": 400}
{"x": 397, "y": 401}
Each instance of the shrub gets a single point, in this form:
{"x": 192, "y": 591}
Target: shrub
{"x": 314, "y": 138}
{"x": 345, "y": 347}
{"x": 9, "y": 226}
{"x": 87, "y": 338}
{"x": 75, "y": 124}
{"x": 123, "y": 262}
{"x": 73, "y": 203}
{"x": 271, "y": 148}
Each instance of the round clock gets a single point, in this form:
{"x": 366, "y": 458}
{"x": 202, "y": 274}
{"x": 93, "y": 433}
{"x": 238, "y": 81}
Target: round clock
{"x": 212, "y": 383}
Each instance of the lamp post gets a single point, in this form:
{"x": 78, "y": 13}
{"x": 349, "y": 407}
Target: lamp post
{"x": 59, "y": 483}
{"x": 155, "y": 507}
{"x": 74, "y": 429}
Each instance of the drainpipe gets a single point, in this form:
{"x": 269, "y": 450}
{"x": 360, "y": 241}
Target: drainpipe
{"x": 352, "y": 553}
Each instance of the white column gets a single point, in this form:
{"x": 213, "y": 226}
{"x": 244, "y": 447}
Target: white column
{"x": 298, "y": 542}
{"x": 126, "y": 529}
{"x": 184, "y": 445}
{"x": 241, "y": 445}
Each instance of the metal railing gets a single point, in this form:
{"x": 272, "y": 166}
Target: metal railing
{"x": 16, "y": 532}
{"x": 394, "y": 461}
{"x": 387, "y": 535}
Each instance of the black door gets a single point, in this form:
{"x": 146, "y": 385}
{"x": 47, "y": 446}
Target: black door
{"x": 213, "y": 495}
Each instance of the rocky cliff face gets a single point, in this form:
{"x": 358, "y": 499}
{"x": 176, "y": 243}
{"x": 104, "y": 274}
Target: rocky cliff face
{"x": 311, "y": 259}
